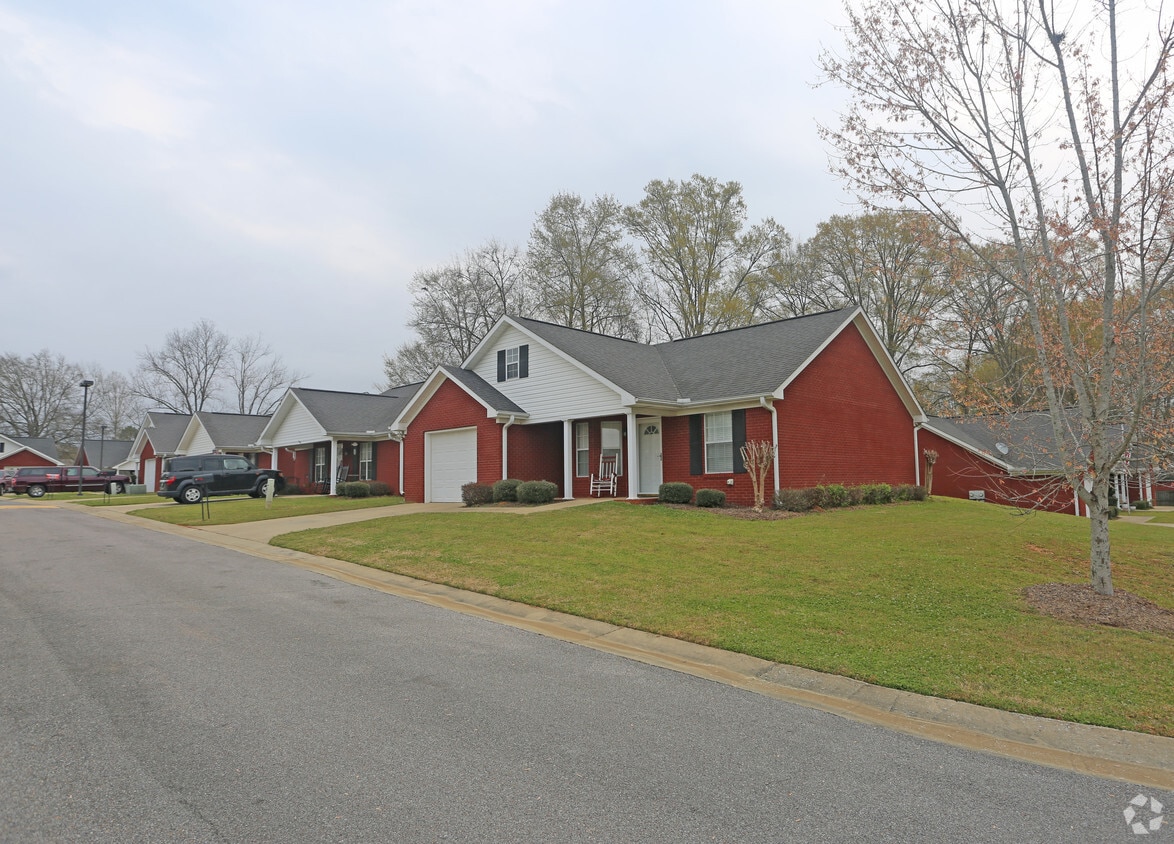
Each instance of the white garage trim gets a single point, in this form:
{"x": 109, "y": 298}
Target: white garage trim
{"x": 148, "y": 478}
{"x": 450, "y": 462}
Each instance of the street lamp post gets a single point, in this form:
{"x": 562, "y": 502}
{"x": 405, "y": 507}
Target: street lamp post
{"x": 102, "y": 451}
{"x": 85, "y": 385}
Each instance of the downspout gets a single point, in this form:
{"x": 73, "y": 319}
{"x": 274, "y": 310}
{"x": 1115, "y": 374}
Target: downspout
{"x": 505, "y": 447}
{"x": 916, "y": 456}
{"x": 774, "y": 434}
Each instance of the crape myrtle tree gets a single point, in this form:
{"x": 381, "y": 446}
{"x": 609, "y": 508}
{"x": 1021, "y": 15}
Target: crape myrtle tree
{"x": 1043, "y": 127}
{"x": 704, "y": 270}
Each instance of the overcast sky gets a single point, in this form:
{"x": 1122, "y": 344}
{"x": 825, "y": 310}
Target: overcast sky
{"x": 284, "y": 167}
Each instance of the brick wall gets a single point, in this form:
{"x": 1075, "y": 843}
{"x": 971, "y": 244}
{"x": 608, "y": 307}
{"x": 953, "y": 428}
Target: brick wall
{"x": 451, "y": 407}
{"x": 675, "y": 458}
{"x": 841, "y": 421}
{"x": 958, "y": 471}
{"x": 536, "y": 453}
{"x": 24, "y": 458}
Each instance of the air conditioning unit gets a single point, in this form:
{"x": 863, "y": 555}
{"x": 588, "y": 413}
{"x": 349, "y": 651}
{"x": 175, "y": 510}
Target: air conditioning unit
{"x": 978, "y": 495}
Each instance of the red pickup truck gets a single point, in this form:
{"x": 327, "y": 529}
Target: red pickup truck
{"x": 65, "y": 479}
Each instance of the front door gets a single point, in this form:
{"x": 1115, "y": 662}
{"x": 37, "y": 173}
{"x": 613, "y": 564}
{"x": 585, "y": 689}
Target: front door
{"x": 650, "y": 464}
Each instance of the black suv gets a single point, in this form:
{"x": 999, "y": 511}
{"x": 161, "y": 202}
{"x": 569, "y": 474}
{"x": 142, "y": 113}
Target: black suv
{"x": 190, "y": 479}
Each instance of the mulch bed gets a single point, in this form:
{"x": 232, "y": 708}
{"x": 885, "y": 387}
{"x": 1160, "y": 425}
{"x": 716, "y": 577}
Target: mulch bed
{"x": 1078, "y": 602}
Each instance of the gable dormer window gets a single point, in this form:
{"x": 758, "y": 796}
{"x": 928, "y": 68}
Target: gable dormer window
{"x": 513, "y": 363}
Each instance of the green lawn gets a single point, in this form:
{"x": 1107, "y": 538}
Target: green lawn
{"x": 231, "y": 511}
{"x": 1164, "y": 517}
{"x": 924, "y": 597}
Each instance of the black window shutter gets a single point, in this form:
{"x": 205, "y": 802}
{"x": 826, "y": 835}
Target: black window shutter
{"x": 738, "y": 420}
{"x": 524, "y": 361}
{"x": 697, "y": 444}
{"x": 501, "y": 365}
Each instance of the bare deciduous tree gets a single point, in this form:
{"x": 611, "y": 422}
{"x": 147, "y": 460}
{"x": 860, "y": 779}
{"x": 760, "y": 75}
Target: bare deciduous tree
{"x": 582, "y": 271}
{"x": 454, "y": 306}
{"x": 256, "y": 378}
{"x": 1044, "y": 129}
{"x": 39, "y": 396}
{"x": 197, "y": 367}
{"x": 703, "y": 270}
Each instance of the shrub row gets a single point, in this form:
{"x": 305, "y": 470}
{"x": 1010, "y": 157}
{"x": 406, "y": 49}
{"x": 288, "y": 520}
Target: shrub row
{"x": 363, "y": 489}
{"x": 837, "y": 495}
{"x": 523, "y": 492}
{"x": 682, "y": 493}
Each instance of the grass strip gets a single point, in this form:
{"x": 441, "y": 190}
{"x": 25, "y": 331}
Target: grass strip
{"x": 923, "y": 597}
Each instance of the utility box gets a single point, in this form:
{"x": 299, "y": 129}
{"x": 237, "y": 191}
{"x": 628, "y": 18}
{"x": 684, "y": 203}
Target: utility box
{"x": 978, "y": 495}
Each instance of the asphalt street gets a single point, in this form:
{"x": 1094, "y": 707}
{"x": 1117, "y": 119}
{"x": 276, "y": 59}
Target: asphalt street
{"x": 153, "y": 688}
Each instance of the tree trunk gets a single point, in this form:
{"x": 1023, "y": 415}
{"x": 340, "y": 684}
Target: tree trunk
{"x": 1100, "y": 568}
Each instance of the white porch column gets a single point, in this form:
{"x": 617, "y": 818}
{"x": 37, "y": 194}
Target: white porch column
{"x": 633, "y": 467}
{"x": 1149, "y": 486}
{"x": 401, "y": 465}
{"x": 568, "y": 459}
{"x": 334, "y": 446}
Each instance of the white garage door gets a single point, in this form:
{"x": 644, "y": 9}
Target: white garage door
{"x": 451, "y": 462}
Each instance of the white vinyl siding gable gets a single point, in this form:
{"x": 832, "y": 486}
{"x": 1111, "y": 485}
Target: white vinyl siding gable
{"x": 554, "y": 389}
{"x": 201, "y": 442}
{"x": 298, "y": 426}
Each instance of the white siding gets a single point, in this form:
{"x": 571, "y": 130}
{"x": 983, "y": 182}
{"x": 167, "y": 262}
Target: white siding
{"x": 297, "y": 427}
{"x": 555, "y": 388}
{"x": 201, "y": 442}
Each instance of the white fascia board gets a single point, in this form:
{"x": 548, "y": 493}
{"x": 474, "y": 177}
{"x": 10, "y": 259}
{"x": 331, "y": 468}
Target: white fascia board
{"x": 626, "y": 398}
{"x": 977, "y": 452}
{"x": 22, "y": 447}
{"x": 141, "y": 437}
{"x": 663, "y": 408}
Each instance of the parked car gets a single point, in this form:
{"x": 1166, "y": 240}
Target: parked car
{"x": 190, "y": 479}
{"x": 38, "y": 480}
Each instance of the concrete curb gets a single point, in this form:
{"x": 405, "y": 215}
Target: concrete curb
{"x": 1137, "y": 758}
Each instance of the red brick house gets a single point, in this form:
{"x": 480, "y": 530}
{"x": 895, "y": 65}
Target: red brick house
{"x": 1013, "y": 460}
{"x": 27, "y": 451}
{"x": 157, "y": 439}
{"x": 323, "y": 436}
{"x": 540, "y": 401}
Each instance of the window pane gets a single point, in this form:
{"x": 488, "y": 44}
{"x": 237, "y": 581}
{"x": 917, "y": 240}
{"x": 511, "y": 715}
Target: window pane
{"x": 719, "y": 442}
{"x": 511, "y": 363}
{"x": 582, "y": 453}
{"x": 613, "y": 443}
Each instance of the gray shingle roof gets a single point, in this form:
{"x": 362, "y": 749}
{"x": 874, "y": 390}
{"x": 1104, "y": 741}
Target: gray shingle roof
{"x": 166, "y": 430}
{"x": 355, "y": 413}
{"x": 232, "y": 430}
{"x": 41, "y": 445}
{"x": 1024, "y": 441}
{"x": 729, "y": 364}
{"x": 481, "y": 388}
{"x": 108, "y": 452}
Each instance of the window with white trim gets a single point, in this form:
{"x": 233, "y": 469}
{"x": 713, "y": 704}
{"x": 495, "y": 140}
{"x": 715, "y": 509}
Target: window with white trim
{"x": 582, "y": 450}
{"x": 719, "y": 442}
{"x": 319, "y": 463}
{"x": 612, "y": 442}
{"x": 512, "y": 363}
{"x": 366, "y": 461}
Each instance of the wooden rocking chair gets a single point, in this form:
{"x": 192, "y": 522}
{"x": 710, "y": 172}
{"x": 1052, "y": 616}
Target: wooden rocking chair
{"x": 605, "y": 481}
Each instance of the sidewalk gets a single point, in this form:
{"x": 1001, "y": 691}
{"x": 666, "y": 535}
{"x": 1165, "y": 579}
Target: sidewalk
{"x": 1137, "y": 758}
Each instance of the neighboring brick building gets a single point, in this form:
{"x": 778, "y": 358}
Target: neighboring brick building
{"x": 539, "y": 401}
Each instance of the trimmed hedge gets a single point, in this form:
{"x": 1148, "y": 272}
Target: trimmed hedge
{"x": 835, "y": 495}
{"x": 506, "y": 490}
{"x": 474, "y": 494}
{"x": 711, "y": 498}
{"x": 675, "y": 493}
{"x": 536, "y": 492}
{"x": 379, "y": 488}
{"x": 354, "y": 489}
